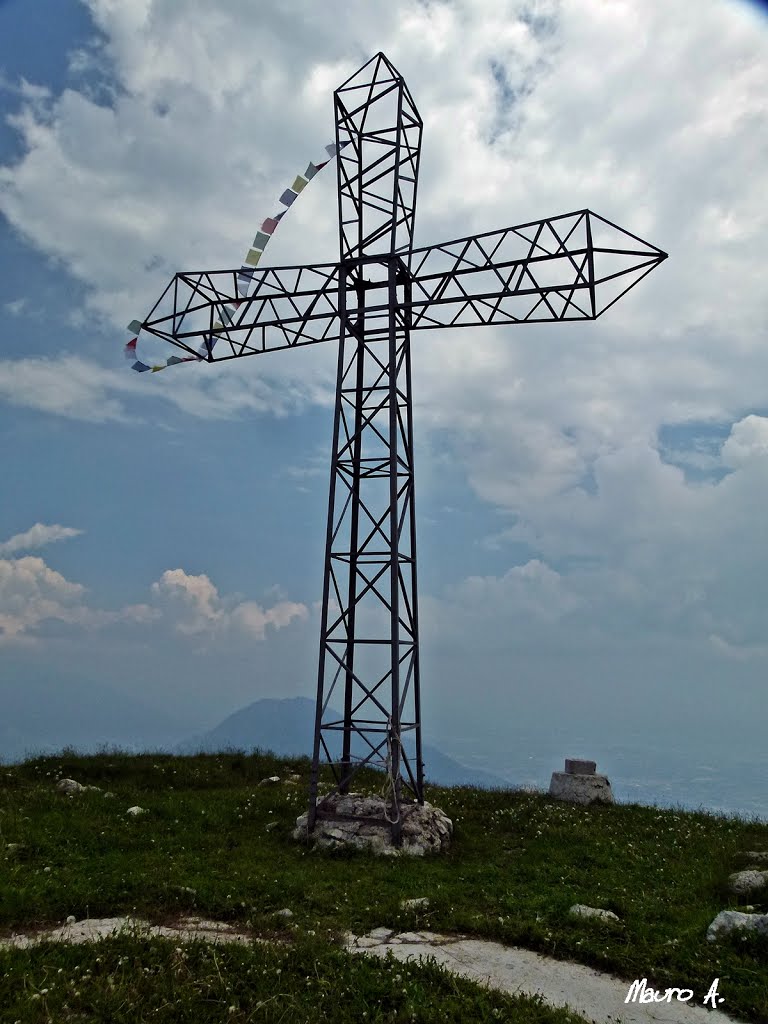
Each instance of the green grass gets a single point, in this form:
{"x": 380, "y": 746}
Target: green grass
{"x": 517, "y": 863}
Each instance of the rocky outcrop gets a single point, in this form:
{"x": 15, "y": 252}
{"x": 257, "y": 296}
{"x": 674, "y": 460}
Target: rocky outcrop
{"x": 728, "y": 921}
{"x": 744, "y": 883}
{"x": 361, "y": 822}
{"x": 581, "y": 910}
{"x": 70, "y": 787}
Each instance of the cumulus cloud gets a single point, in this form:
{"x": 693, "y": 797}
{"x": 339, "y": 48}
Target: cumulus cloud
{"x": 747, "y": 441}
{"x": 76, "y": 388}
{"x": 197, "y": 609}
{"x": 37, "y": 536}
{"x": 32, "y": 595}
{"x": 655, "y": 120}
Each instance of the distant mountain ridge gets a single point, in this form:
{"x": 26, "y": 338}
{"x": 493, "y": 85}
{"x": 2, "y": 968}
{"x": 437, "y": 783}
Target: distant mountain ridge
{"x": 286, "y": 727}
{"x": 40, "y": 717}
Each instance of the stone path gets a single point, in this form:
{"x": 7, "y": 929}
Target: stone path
{"x": 599, "y": 998}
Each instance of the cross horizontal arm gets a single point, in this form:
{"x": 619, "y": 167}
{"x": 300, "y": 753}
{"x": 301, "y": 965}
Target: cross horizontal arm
{"x": 289, "y": 306}
{"x": 571, "y": 267}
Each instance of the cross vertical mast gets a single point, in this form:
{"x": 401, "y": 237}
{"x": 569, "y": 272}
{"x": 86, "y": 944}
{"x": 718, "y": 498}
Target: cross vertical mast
{"x": 369, "y": 652}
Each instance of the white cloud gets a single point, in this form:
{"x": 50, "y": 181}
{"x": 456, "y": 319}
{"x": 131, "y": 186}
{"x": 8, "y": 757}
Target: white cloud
{"x": 195, "y": 606}
{"x": 37, "y": 536}
{"x": 32, "y": 596}
{"x": 748, "y": 440}
{"x": 16, "y": 306}
{"x": 653, "y": 119}
{"x": 533, "y": 590}
{"x": 72, "y": 387}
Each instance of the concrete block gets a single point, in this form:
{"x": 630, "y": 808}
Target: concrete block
{"x": 575, "y": 766}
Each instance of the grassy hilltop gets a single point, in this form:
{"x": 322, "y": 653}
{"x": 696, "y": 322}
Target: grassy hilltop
{"x": 214, "y": 843}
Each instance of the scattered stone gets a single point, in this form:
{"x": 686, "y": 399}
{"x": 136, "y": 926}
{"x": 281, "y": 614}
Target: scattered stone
{"x": 187, "y": 890}
{"x": 381, "y": 934}
{"x": 294, "y": 778}
{"x": 285, "y": 912}
{"x": 71, "y": 919}
{"x": 419, "y": 903}
{"x": 69, "y": 786}
{"x": 346, "y": 822}
{"x": 271, "y": 780}
{"x": 108, "y": 795}
{"x": 575, "y": 766}
{"x": 728, "y": 921}
{"x": 581, "y": 910}
{"x": 135, "y": 811}
{"x": 579, "y": 786}
{"x": 757, "y": 856}
{"x": 745, "y": 882}
{"x": 271, "y": 825}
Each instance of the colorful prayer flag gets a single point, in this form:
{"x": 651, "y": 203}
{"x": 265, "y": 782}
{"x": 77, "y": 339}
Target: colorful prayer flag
{"x": 243, "y": 278}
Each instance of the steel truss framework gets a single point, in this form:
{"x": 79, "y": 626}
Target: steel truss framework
{"x": 569, "y": 267}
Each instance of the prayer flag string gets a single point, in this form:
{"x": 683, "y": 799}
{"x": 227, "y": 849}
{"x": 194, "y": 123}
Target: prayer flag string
{"x": 244, "y": 276}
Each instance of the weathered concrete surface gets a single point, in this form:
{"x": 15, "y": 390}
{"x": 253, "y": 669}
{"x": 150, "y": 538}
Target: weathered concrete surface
{"x": 597, "y": 997}
{"x": 93, "y": 929}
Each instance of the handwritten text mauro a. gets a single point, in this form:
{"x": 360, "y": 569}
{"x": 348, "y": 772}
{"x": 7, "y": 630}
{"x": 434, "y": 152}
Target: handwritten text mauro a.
{"x": 640, "y": 992}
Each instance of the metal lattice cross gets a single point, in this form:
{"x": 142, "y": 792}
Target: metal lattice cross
{"x": 570, "y": 267}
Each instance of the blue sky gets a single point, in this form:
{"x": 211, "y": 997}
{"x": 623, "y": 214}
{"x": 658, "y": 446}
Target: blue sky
{"x": 591, "y": 538}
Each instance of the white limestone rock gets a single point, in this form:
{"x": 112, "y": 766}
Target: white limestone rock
{"x": 271, "y": 780}
{"x": 69, "y": 786}
{"x": 728, "y": 921}
{"x": 746, "y": 882}
{"x": 425, "y": 829}
{"x": 582, "y": 910}
{"x": 418, "y": 903}
{"x": 135, "y": 811}
{"x": 581, "y": 789}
